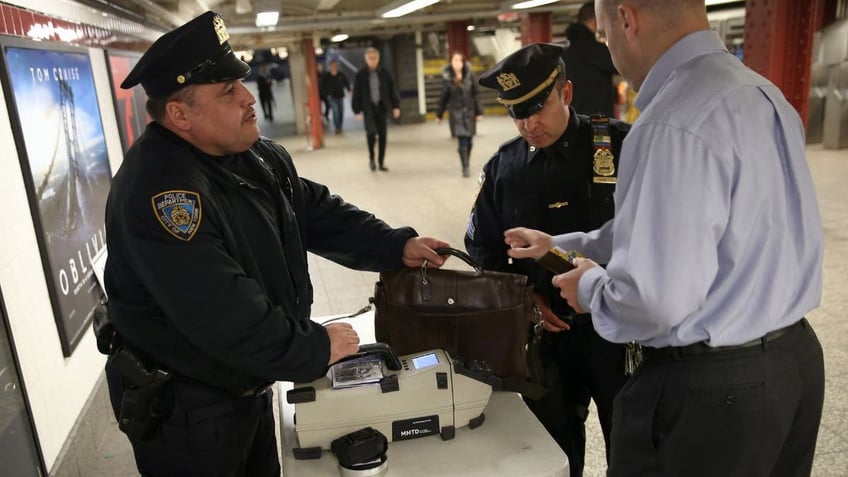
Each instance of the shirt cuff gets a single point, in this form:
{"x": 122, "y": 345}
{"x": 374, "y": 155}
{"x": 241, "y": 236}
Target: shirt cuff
{"x": 591, "y": 281}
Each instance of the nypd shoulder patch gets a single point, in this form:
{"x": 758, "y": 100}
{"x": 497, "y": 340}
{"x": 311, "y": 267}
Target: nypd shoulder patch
{"x": 178, "y": 211}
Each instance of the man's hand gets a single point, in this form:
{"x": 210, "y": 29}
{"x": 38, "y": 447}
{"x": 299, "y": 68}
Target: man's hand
{"x": 343, "y": 341}
{"x": 567, "y": 282}
{"x": 418, "y": 249}
{"x": 527, "y": 243}
{"x": 396, "y": 113}
{"x": 550, "y": 321}
{"x": 358, "y": 116}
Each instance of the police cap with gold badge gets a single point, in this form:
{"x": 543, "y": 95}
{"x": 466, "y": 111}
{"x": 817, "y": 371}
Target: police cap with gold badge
{"x": 525, "y": 78}
{"x": 195, "y": 53}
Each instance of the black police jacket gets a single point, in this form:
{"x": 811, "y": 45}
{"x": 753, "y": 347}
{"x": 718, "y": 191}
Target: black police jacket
{"x": 207, "y": 271}
{"x": 552, "y": 189}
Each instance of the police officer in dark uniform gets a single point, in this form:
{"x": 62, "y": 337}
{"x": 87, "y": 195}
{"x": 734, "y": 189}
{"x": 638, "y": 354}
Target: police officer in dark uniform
{"x": 208, "y": 226}
{"x": 557, "y": 176}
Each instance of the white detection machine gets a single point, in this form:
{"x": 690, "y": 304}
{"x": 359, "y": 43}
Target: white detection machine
{"x": 417, "y": 395}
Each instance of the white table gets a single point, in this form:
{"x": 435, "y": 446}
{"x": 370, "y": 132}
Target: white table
{"x": 511, "y": 441}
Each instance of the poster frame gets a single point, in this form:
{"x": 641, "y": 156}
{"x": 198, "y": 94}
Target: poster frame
{"x": 73, "y": 309}
{"x": 139, "y": 98}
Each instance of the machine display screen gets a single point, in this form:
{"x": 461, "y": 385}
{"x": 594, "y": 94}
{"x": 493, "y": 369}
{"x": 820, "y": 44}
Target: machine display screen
{"x": 425, "y": 361}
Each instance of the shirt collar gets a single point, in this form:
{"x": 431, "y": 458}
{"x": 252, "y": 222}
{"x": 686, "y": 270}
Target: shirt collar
{"x": 565, "y": 141}
{"x": 687, "y": 48}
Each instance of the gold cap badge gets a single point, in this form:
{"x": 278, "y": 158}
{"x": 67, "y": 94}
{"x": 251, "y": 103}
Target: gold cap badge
{"x": 508, "y": 81}
{"x": 220, "y": 29}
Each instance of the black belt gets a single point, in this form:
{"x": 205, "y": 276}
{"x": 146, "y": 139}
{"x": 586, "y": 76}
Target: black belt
{"x": 703, "y": 348}
{"x": 234, "y": 393}
{"x": 256, "y": 392}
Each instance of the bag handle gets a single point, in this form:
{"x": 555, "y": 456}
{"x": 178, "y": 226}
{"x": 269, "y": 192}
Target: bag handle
{"x": 460, "y": 255}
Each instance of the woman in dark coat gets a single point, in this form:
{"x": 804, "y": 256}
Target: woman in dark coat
{"x": 461, "y": 100}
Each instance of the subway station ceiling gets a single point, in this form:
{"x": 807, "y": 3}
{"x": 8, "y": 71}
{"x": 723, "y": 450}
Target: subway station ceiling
{"x": 324, "y": 18}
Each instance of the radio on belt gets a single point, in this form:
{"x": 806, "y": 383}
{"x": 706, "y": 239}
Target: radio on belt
{"x": 416, "y": 395}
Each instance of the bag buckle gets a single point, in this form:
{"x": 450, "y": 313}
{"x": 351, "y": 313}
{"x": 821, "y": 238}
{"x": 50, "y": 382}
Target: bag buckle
{"x": 537, "y": 315}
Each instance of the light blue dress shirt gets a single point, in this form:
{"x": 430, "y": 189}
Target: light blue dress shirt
{"x": 717, "y": 235}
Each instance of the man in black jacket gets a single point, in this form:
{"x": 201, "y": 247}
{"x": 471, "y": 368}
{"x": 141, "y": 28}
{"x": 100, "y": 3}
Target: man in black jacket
{"x": 589, "y": 65}
{"x": 558, "y": 175}
{"x": 334, "y": 84}
{"x": 374, "y": 96}
{"x": 208, "y": 226}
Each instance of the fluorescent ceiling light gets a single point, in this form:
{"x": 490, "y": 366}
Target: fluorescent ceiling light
{"x": 531, "y": 4}
{"x": 719, "y": 2}
{"x": 339, "y": 37}
{"x": 403, "y": 7}
{"x": 267, "y": 19}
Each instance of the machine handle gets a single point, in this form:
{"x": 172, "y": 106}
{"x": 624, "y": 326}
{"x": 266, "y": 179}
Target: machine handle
{"x": 384, "y": 351}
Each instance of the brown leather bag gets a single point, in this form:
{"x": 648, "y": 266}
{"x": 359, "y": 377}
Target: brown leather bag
{"x": 474, "y": 315}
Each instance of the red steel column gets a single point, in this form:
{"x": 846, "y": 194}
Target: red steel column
{"x": 313, "y": 98}
{"x": 458, "y": 37}
{"x": 536, "y": 27}
{"x": 778, "y": 44}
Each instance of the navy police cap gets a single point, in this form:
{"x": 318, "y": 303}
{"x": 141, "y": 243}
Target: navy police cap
{"x": 196, "y": 53}
{"x": 524, "y": 79}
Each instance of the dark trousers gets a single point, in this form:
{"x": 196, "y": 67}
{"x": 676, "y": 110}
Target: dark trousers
{"x": 208, "y": 433}
{"x": 267, "y": 106}
{"x": 378, "y": 134}
{"x": 582, "y": 366}
{"x": 749, "y": 412}
{"x": 337, "y": 106}
{"x": 326, "y": 104}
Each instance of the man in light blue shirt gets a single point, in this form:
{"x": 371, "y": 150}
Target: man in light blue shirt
{"x": 714, "y": 257}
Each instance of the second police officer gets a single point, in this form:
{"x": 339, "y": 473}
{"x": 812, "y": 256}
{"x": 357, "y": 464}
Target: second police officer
{"x": 557, "y": 176}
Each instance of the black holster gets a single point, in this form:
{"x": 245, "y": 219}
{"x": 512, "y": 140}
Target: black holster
{"x": 143, "y": 408}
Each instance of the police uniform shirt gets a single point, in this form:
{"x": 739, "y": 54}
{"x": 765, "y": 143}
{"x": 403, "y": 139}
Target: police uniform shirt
{"x": 550, "y": 189}
{"x": 220, "y": 292}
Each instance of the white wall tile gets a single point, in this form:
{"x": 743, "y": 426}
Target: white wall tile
{"x": 57, "y": 387}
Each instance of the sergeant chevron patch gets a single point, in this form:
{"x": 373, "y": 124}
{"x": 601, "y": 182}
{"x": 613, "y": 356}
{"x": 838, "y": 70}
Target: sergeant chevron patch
{"x": 178, "y": 211}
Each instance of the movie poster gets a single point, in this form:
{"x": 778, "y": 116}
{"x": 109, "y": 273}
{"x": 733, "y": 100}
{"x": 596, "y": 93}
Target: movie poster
{"x": 62, "y": 148}
{"x": 129, "y": 103}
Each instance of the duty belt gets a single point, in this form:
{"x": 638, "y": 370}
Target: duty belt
{"x": 702, "y": 348}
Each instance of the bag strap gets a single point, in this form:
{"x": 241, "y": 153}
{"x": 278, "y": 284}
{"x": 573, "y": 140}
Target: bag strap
{"x": 460, "y": 255}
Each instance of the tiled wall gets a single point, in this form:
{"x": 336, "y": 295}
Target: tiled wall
{"x": 57, "y": 387}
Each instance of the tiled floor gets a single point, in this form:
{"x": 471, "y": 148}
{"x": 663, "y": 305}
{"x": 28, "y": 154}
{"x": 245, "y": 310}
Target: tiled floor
{"x": 424, "y": 189}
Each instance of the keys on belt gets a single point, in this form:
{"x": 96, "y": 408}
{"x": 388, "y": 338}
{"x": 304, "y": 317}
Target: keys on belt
{"x": 632, "y": 357}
